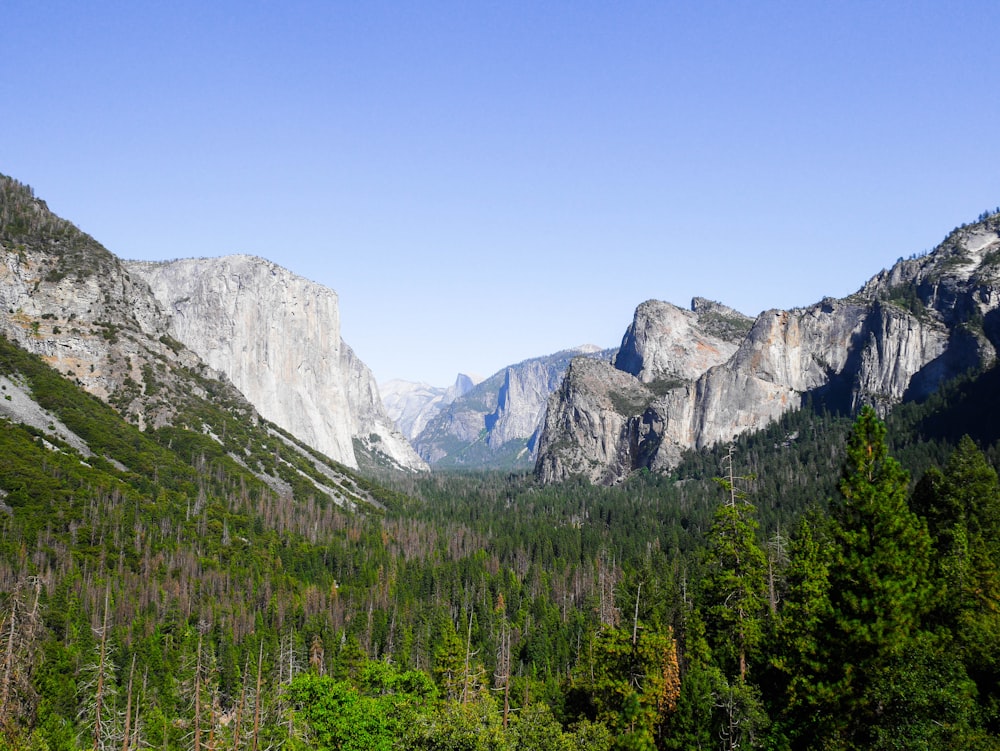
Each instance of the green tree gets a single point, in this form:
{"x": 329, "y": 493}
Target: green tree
{"x": 537, "y": 730}
{"x": 636, "y": 684}
{"x": 854, "y": 604}
{"x": 371, "y": 718}
{"x": 879, "y": 584}
{"x": 734, "y": 584}
{"x": 962, "y": 509}
{"x": 457, "y": 726}
{"x": 801, "y": 655}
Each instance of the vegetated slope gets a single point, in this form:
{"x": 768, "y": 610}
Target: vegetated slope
{"x": 902, "y": 335}
{"x": 190, "y": 556}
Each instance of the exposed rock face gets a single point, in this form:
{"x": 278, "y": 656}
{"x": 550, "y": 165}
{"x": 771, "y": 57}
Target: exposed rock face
{"x": 64, "y": 297}
{"x": 277, "y": 337}
{"x": 691, "y": 379}
{"x": 371, "y": 426}
{"x": 588, "y": 423}
{"x": 412, "y": 405}
{"x": 496, "y": 423}
{"x": 665, "y": 342}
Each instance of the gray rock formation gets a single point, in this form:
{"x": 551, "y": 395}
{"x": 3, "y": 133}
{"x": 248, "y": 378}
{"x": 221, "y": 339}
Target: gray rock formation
{"x": 277, "y": 337}
{"x": 690, "y": 379}
{"x": 667, "y": 343}
{"x": 412, "y": 405}
{"x": 64, "y": 297}
{"x": 496, "y": 423}
{"x": 67, "y": 299}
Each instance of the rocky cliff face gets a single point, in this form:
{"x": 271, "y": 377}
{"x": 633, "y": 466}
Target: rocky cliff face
{"x": 375, "y": 434}
{"x": 277, "y": 337}
{"x": 667, "y": 343}
{"x": 496, "y": 423}
{"x": 67, "y": 299}
{"x": 689, "y": 379}
{"x": 64, "y": 297}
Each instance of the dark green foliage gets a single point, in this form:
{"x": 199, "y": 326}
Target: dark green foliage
{"x": 962, "y": 508}
{"x": 878, "y": 579}
{"x": 733, "y": 586}
{"x": 220, "y": 584}
{"x": 866, "y": 651}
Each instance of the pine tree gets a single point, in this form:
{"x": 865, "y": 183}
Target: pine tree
{"x": 735, "y": 590}
{"x": 854, "y": 604}
{"x": 879, "y": 582}
{"x": 962, "y": 509}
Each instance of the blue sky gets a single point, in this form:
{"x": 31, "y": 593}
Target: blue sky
{"x": 484, "y": 182}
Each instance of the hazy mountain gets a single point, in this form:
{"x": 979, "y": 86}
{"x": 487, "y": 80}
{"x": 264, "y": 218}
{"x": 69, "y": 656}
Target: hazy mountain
{"x": 412, "y": 405}
{"x": 496, "y": 423}
{"x": 690, "y": 379}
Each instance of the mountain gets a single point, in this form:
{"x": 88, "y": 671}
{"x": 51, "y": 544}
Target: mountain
{"x": 96, "y": 319}
{"x": 691, "y": 379}
{"x": 496, "y": 423}
{"x": 276, "y": 336}
{"x": 66, "y": 299}
{"x": 412, "y": 405}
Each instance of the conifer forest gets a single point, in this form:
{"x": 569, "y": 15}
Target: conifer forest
{"x": 830, "y": 583}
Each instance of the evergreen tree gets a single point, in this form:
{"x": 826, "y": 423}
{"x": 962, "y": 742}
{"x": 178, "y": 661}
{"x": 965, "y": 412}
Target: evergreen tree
{"x": 801, "y": 658}
{"x": 734, "y": 585}
{"x": 846, "y": 637}
{"x": 636, "y": 684}
{"x": 962, "y": 508}
{"x": 879, "y": 583}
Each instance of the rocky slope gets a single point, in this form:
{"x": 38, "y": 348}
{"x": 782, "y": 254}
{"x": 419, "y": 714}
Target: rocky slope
{"x": 496, "y": 423}
{"x": 64, "y": 297}
{"x": 412, "y": 405}
{"x": 689, "y": 379}
{"x": 95, "y": 319}
{"x": 277, "y": 337}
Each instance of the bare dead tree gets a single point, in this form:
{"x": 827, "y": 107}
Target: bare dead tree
{"x": 18, "y": 632}
{"x": 501, "y": 677}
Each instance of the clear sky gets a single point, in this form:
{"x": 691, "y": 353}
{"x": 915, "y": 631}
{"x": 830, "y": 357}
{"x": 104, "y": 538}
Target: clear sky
{"x": 484, "y": 182}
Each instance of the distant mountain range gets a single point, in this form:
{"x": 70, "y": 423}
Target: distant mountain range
{"x": 494, "y": 423}
{"x": 412, "y": 405}
{"x": 151, "y": 339}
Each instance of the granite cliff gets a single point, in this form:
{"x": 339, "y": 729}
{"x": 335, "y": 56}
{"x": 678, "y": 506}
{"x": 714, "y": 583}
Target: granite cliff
{"x": 95, "y": 319}
{"x": 689, "y": 379}
{"x": 65, "y": 297}
{"x": 276, "y": 336}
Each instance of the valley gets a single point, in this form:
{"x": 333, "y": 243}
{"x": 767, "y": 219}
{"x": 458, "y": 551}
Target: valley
{"x": 212, "y": 535}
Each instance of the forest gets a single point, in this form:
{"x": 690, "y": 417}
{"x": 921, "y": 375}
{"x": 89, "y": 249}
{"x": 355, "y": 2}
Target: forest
{"x": 831, "y": 582}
